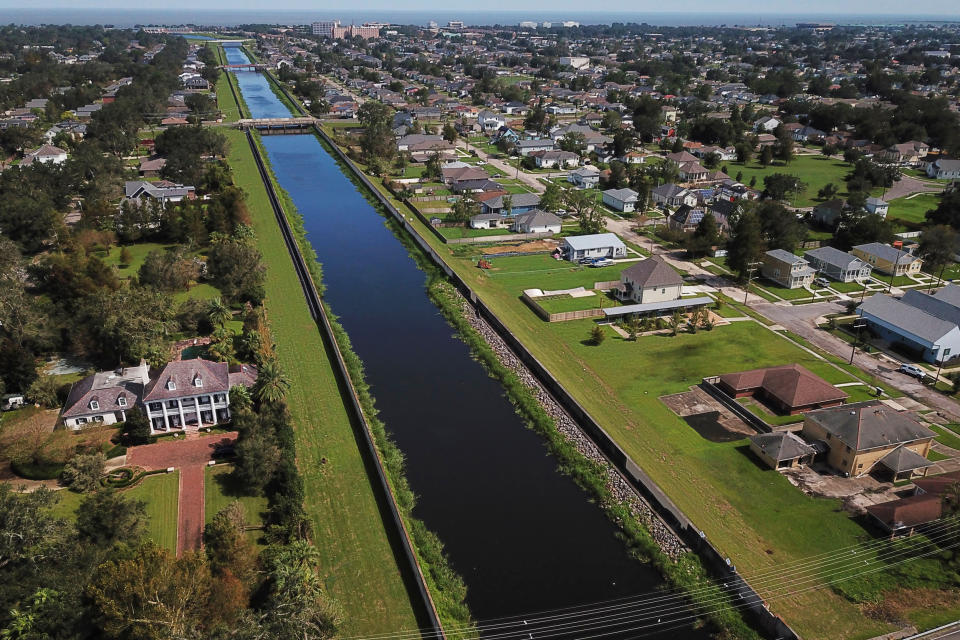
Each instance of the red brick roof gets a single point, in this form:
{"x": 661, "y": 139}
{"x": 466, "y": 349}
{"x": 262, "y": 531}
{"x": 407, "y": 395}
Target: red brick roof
{"x": 791, "y": 384}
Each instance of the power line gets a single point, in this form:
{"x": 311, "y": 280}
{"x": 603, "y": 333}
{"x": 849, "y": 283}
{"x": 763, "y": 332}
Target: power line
{"x": 826, "y": 559}
{"x": 659, "y": 603}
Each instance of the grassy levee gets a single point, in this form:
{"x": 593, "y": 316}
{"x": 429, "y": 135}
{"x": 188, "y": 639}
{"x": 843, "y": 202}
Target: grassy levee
{"x": 229, "y": 100}
{"x": 362, "y": 571}
{"x": 751, "y": 514}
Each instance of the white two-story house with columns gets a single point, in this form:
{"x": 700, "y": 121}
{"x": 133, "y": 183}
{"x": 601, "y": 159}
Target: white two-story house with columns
{"x": 193, "y": 393}
{"x": 185, "y": 394}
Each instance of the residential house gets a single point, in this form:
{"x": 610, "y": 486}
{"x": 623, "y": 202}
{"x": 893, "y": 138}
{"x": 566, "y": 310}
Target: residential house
{"x": 908, "y": 154}
{"x": 490, "y": 221}
{"x": 451, "y": 175}
{"x": 555, "y": 159}
{"x": 869, "y": 436}
{"x": 672, "y": 195}
{"x": 838, "y": 265}
{"x": 46, "y": 154}
{"x": 164, "y": 190}
{"x": 766, "y": 124}
{"x": 519, "y": 203}
{"x": 944, "y": 169}
{"x": 887, "y": 259}
{"x": 490, "y": 121}
{"x": 786, "y": 269}
{"x": 724, "y": 212}
{"x": 536, "y": 221}
{"x": 526, "y": 147}
{"x": 924, "y": 506}
{"x": 193, "y": 393}
{"x": 584, "y": 177}
{"x": 787, "y": 390}
{"x": 919, "y": 322}
{"x": 598, "y": 245}
{"x": 624, "y": 200}
{"x": 877, "y": 206}
{"x": 693, "y": 172}
{"x": 650, "y": 280}
{"x": 151, "y": 167}
{"x": 808, "y": 134}
{"x": 782, "y": 450}
{"x": 104, "y": 397}
{"x": 686, "y": 218}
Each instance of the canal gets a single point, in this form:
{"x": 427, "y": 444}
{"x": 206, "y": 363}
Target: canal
{"x": 524, "y": 537}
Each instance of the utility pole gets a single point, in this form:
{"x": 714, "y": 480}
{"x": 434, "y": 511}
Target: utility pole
{"x": 750, "y": 269}
{"x": 858, "y": 325}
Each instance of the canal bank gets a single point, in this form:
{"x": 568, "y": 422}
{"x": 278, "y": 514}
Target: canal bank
{"x": 524, "y": 536}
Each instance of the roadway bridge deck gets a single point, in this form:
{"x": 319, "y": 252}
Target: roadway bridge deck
{"x": 277, "y": 125}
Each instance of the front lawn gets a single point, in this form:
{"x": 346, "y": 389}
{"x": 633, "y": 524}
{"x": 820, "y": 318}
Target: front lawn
{"x": 814, "y": 171}
{"x": 913, "y": 209}
{"x": 160, "y": 494}
{"x": 220, "y": 490}
{"x": 517, "y": 273}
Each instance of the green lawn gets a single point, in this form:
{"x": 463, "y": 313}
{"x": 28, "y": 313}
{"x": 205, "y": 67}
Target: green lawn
{"x": 349, "y": 532}
{"x": 225, "y": 99}
{"x": 160, "y": 494}
{"x": 138, "y": 253}
{"x": 220, "y": 491}
{"x": 913, "y": 208}
{"x": 815, "y": 171}
{"x": 946, "y": 437}
{"x": 517, "y": 273}
{"x": 467, "y": 232}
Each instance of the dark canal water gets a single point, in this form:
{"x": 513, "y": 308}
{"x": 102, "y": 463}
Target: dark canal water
{"x": 524, "y": 537}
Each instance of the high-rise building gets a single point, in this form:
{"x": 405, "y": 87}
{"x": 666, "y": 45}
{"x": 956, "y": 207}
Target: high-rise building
{"x": 325, "y": 28}
{"x": 455, "y": 24}
{"x": 354, "y": 31}
{"x": 528, "y": 24}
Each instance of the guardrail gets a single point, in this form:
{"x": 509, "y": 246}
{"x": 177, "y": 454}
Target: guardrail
{"x": 739, "y": 590}
{"x": 319, "y": 314}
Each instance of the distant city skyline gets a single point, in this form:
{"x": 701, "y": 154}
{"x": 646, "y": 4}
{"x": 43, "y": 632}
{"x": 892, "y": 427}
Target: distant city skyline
{"x": 761, "y": 7}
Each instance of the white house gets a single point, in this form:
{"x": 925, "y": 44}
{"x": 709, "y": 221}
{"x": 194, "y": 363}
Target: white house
{"x": 193, "y": 393}
{"x": 47, "y": 154}
{"x": 598, "y": 245}
{"x": 577, "y": 62}
{"x": 490, "y": 121}
{"x": 555, "y": 159}
{"x": 584, "y": 177}
{"x": 944, "y": 169}
{"x": 104, "y": 397}
{"x": 621, "y": 199}
{"x": 767, "y": 123}
{"x": 651, "y": 280}
{"x": 878, "y": 206}
{"x": 536, "y": 221}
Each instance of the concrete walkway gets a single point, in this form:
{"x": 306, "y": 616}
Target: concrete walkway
{"x": 529, "y": 179}
{"x": 191, "y": 456}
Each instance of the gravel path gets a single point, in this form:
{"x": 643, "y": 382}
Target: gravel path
{"x": 621, "y": 490}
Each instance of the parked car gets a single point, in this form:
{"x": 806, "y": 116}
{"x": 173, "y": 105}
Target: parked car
{"x": 823, "y": 282}
{"x": 912, "y": 370}
{"x": 602, "y": 262}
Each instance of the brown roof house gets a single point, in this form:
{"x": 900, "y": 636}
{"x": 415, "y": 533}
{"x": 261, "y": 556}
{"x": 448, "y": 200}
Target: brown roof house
{"x": 193, "y": 393}
{"x": 788, "y": 389}
{"x": 870, "y": 436}
{"x": 923, "y": 507}
{"x": 104, "y": 397}
{"x": 782, "y": 449}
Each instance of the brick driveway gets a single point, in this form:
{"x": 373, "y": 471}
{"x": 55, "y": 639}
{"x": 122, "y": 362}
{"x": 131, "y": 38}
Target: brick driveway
{"x": 190, "y": 456}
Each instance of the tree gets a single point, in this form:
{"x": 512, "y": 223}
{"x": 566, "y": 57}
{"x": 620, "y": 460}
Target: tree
{"x": 937, "y": 247}
{"x": 29, "y": 534}
{"x": 947, "y": 211}
{"x": 227, "y": 546}
{"x": 584, "y": 205}
{"x": 860, "y": 227}
{"x": 552, "y": 198}
{"x": 746, "y": 244}
{"x": 780, "y": 226}
{"x": 857, "y": 200}
{"x": 706, "y": 235}
{"x": 240, "y": 397}
{"x": 136, "y": 428}
{"x": 574, "y": 142}
{"x": 151, "y": 595}
{"x": 780, "y": 186}
{"x": 377, "y": 142}
{"x": 125, "y": 256}
{"x": 828, "y": 191}
{"x": 107, "y": 517}
{"x": 257, "y": 454}
{"x": 272, "y": 385}
{"x": 218, "y": 312}
{"x": 744, "y": 152}
{"x": 234, "y": 265}
{"x": 450, "y": 133}
{"x": 597, "y": 335}
{"x": 82, "y": 472}
{"x": 465, "y": 208}
{"x": 766, "y": 156}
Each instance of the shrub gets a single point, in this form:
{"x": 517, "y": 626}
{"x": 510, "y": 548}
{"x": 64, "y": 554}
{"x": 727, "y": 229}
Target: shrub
{"x": 82, "y": 473}
{"x": 43, "y": 391}
{"x": 597, "y": 335}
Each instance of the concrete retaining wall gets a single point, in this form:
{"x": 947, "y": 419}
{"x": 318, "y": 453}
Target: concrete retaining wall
{"x": 409, "y": 565}
{"x": 741, "y": 594}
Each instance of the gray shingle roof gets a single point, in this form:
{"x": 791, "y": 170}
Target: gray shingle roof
{"x": 904, "y": 459}
{"x": 782, "y": 445}
{"x": 869, "y": 425}
{"x": 836, "y": 258}
{"x": 785, "y": 256}
{"x": 623, "y": 195}
{"x": 518, "y": 200}
{"x": 653, "y": 272}
{"x": 886, "y": 252}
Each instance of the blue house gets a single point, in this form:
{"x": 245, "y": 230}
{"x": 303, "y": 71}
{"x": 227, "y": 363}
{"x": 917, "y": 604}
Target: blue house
{"x": 520, "y": 203}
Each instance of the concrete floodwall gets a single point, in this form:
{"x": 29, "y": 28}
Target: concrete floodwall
{"x": 741, "y": 594}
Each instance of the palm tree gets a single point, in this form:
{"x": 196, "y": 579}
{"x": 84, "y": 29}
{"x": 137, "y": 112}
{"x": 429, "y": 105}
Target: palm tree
{"x": 271, "y": 385}
{"x": 219, "y": 313}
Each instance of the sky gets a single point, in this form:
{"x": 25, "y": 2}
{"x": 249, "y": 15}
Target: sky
{"x": 855, "y": 7}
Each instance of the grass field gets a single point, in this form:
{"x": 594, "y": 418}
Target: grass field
{"x": 815, "y": 171}
{"x": 913, "y": 209}
{"x": 220, "y": 491}
{"x": 349, "y": 532}
{"x": 160, "y": 494}
{"x": 225, "y": 100}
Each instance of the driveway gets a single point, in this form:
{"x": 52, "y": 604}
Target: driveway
{"x": 907, "y": 185}
{"x": 529, "y": 179}
{"x": 801, "y": 320}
